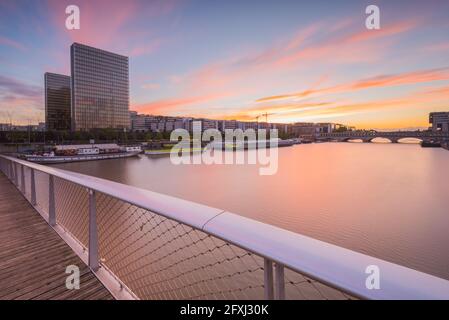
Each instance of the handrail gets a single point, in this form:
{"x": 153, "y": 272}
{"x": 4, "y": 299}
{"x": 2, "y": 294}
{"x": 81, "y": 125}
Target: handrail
{"x": 332, "y": 265}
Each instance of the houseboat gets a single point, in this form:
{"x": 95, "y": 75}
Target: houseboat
{"x": 88, "y": 152}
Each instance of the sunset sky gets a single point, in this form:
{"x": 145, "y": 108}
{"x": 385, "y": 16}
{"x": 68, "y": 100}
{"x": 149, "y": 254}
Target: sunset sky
{"x": 311, "y": 61}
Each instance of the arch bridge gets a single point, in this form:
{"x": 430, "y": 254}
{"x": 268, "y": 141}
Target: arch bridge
{"x": 393, "y": 136}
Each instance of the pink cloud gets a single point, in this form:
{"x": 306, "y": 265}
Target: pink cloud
{"x": 384, "y": 31}
{"x": 249, "y": 72}
{"x": 167, "y": 105}
{"x": 102, "y": 22}
{"x": 443, "y": 46}
{"x": 302, "y": 36}
{"x": 374, "y": 82}
{"x": 348, "y": 48}
{"x": 151, "y": 86}
{"x": 144, "y": 49}
{"x": 12, "y": 43}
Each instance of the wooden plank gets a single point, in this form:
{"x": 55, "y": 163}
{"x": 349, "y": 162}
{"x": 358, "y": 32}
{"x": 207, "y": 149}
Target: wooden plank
{"x": 33, "y": 258}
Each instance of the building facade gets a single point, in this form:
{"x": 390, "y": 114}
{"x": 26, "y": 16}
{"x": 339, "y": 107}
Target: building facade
{"x": 100, "y": 89}
{"x": 228, "y": 124}
{"x": 57, "y": 101}
{"x": 439, "y": 121}
{"x": 208, "y": 124}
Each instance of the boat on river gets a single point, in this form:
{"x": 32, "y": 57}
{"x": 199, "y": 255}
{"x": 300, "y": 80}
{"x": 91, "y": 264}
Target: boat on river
{"x": 77, "y": 153}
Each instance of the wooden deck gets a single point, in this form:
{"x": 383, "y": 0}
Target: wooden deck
{"x": 33, "y": 258}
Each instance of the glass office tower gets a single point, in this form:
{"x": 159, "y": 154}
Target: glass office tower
{"x": 100, "y": 89}
{"x": 57, "y": 101}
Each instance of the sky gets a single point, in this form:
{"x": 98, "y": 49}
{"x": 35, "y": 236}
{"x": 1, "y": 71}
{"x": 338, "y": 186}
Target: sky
{"x": 296, "y": 61}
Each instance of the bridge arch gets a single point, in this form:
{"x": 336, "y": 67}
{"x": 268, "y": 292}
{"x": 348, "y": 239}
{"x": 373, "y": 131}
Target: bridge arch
{"x": 351, "y": 139}
{"x": 380, "y": 139}
{"x": 393, "y": 136}
{"x": 410, "y": 140}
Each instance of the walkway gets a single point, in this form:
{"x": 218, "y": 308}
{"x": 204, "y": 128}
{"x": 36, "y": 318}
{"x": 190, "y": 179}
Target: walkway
{"x": 33, "y": 258}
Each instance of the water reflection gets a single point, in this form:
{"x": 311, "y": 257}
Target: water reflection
{"x": 386, "y": 200}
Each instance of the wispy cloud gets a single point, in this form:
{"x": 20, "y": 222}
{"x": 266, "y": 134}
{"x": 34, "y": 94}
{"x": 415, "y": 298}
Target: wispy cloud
{"x": 438, "y": 47}
{"x": 347, "y": 47}
{"x": 145, "y": 48}
{"x": 427, "y": 99}
{"x": 12, "y": 43}
{"x": 167, "y": 105}
{"x": 116, "y": 21}
{"x": 20, "y": 100}
{"x": 151, "y": 86}
{"x": 329, "y": 66}
{"x": 338, "y": 44}
{"x": 373, "y": 82}
{"x": 15, "y": 87}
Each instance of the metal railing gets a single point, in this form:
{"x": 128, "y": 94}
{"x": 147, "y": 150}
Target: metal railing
{"x": 146, "y": 245}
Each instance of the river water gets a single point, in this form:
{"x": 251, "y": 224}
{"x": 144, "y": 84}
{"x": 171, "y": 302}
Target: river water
{"x": 390, "y": 201}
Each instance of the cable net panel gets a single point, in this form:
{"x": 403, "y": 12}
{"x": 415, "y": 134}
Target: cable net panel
{"x": 158, "y": 258}
{"x": 27, "y": 172}
{"x": 41, "y": 180}
{"x": 72, "y": 209}
{"x": 300, "y": 287}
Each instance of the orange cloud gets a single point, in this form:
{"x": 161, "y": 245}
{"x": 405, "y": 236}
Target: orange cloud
{"x": 151, "y": 86}
{"x": 145, "y": 49}
{"x": 371, "y": 114}
{"x": 386, "y": 31}
{"x": 299, "y": 52}
{"x": 379, "y": 81}
{"x": 166, "y": 105}
{"x": 352, "y": 47}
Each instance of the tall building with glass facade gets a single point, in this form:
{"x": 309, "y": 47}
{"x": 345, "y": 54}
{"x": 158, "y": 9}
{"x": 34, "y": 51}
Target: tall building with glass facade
{"x": 57, "y": 101}
{"x": 100, "y": 89}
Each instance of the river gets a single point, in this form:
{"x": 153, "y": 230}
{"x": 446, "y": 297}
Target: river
{"x": 390, "y": 201}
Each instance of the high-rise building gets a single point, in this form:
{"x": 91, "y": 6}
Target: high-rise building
{"x": 100, "y": 89}
{"x": 57, "y": 101}
{"x": 439, "y": 121}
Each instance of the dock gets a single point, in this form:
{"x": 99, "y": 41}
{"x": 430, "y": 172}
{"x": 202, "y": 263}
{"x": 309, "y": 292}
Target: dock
{"x": 33, "y": 258}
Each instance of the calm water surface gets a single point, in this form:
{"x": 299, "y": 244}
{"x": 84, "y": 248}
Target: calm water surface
{"x": 386, "y": 200}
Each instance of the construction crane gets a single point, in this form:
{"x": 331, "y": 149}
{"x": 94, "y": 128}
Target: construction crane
{"x": 266, "y": 114}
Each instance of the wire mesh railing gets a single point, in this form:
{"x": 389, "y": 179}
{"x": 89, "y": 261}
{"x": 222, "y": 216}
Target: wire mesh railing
{"x": 159, "y": 247}
{"x": 159, "y": 258}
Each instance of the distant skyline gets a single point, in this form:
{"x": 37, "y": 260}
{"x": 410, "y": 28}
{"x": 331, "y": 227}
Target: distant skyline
{"x": 296, "y": 60}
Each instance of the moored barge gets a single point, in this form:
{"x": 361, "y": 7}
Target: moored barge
{"x": 77, "y": 153}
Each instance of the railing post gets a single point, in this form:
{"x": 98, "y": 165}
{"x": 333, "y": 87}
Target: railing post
{"x": 268, "y": 279}
{"x": 10, "y": 170}
{"x": 280, "y": 284}
{"x": 22, "y": 179}
{"x": 93, "y": 232}
{"x": 51, "y": 201}
{"x": 16, "y": 175}
{"x": 33, "y": 187}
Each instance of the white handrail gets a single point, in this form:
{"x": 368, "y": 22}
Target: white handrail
{"x": 330, "y": 264}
